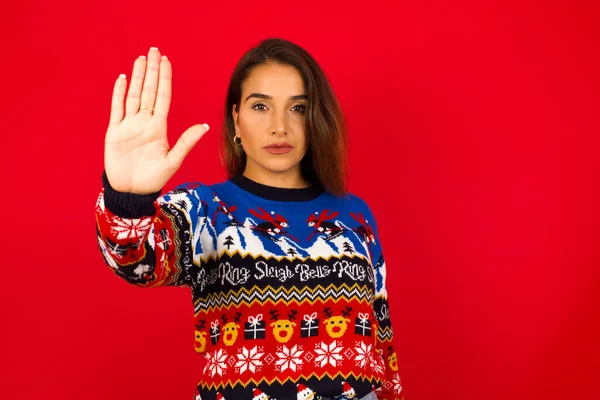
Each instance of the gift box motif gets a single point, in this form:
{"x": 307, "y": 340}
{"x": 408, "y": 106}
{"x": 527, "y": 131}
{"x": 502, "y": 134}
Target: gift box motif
{"x": 309, "y": 326}
{"x": 255, "y": 328}
{"x": 215, "y": 331}
{"x": 363, "y": 325}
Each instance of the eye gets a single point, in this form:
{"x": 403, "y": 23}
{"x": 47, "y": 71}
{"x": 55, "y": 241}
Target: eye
{"x": 257, "y": 105}
{"x": 300, "y": 108}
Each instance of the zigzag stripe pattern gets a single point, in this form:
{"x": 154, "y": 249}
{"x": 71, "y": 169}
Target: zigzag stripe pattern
{"x": 257, "y": 295}
{"x": 213, "y": 386}
{"x": 385, "y": 334}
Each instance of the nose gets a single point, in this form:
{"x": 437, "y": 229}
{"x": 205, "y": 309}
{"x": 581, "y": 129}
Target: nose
{"x": 279, "y": 123}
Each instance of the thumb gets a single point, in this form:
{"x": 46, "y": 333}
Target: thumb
{"x": 185, "y": 143}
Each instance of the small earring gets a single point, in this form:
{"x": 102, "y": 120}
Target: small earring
{"x": 239, "y": 143}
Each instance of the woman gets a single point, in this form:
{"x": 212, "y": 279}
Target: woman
{"x": 285, "y": 267}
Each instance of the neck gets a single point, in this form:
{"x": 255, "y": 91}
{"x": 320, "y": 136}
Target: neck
{"x": 286, "y": 180}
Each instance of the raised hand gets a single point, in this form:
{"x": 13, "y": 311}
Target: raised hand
{"x": 137, "y": 157}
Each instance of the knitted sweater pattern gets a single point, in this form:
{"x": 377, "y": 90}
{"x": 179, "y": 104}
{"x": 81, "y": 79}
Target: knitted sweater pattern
{"x": 288, "y": 285}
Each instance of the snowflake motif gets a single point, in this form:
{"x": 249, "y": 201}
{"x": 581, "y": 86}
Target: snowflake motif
{"x": 248, "y": 360}
{"x": 377, "y": 363}
{"x": 131, "y": 228}
{"x": 364, "y": 355}
{"x": 397, "y": 386}
{"x": 216, "y": 362}
{"x": 289, "y": 358}
{"x": 328, "y": 354}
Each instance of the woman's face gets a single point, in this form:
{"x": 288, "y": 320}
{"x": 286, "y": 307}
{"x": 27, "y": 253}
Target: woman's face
{"x": 272, "y": 112}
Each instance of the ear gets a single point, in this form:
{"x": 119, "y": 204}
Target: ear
{"x": 235, "y": 114}
{"x": 293, "y": 324}
{"x": 273, "y": 323}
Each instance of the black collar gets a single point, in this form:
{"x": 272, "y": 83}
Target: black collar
{"x": 277, "y": 193}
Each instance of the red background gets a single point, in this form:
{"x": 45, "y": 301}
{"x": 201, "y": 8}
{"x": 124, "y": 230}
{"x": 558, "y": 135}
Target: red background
{"x": 474, "y": 138}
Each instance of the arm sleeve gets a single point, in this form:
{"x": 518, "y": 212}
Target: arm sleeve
{"x": 147, "y": 240}
{"x": 392, "y": 387}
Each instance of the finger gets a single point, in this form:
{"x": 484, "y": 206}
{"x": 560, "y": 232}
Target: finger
{"x": 150, "y": 80}
{"x": 163, "y": 99}
{"x": 132, "y": 104}
{"x": 116, "y": 109}
{"x": 185, "y": 143}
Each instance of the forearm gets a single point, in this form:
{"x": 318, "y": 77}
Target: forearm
{"x": 144, "y": 239}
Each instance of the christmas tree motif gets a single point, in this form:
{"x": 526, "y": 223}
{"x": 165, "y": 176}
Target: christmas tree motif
{"x": 203, "y": 213}
{"x": 228, "y": 242}
{"x": 348, "y": 248}
{"x": 291, "y": 252}
{"x": 174, "y": 197}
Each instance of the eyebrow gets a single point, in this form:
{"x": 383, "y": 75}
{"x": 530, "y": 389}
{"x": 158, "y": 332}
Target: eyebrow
{"x": 267, "y": 97}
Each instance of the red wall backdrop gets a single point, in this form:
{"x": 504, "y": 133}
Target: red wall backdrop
{"x": 474, "y": 129}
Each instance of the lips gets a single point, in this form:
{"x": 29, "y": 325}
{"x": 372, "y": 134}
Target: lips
{"x": 279, "y": 148}
{"x": 282, "y": 145}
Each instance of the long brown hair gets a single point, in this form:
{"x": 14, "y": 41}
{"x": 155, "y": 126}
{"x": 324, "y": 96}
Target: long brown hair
{"x": 326, "y": 131}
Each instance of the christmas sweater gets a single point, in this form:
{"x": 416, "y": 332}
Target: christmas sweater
{"x": 288, "y": 285}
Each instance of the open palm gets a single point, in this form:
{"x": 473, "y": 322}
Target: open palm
{"x": 137, "y": 156}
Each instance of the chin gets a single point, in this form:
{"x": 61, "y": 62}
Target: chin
{"x": 281, "y": 166}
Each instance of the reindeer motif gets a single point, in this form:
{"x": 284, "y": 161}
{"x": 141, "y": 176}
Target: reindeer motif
{"x": 336, "y": 325}
{"x": 322, "y": 225}
{"x": 392, "y": 359}
{"x": 283, "y": 329}
{"x": 200, "y": 337}
{"x": 231, "y": 329}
